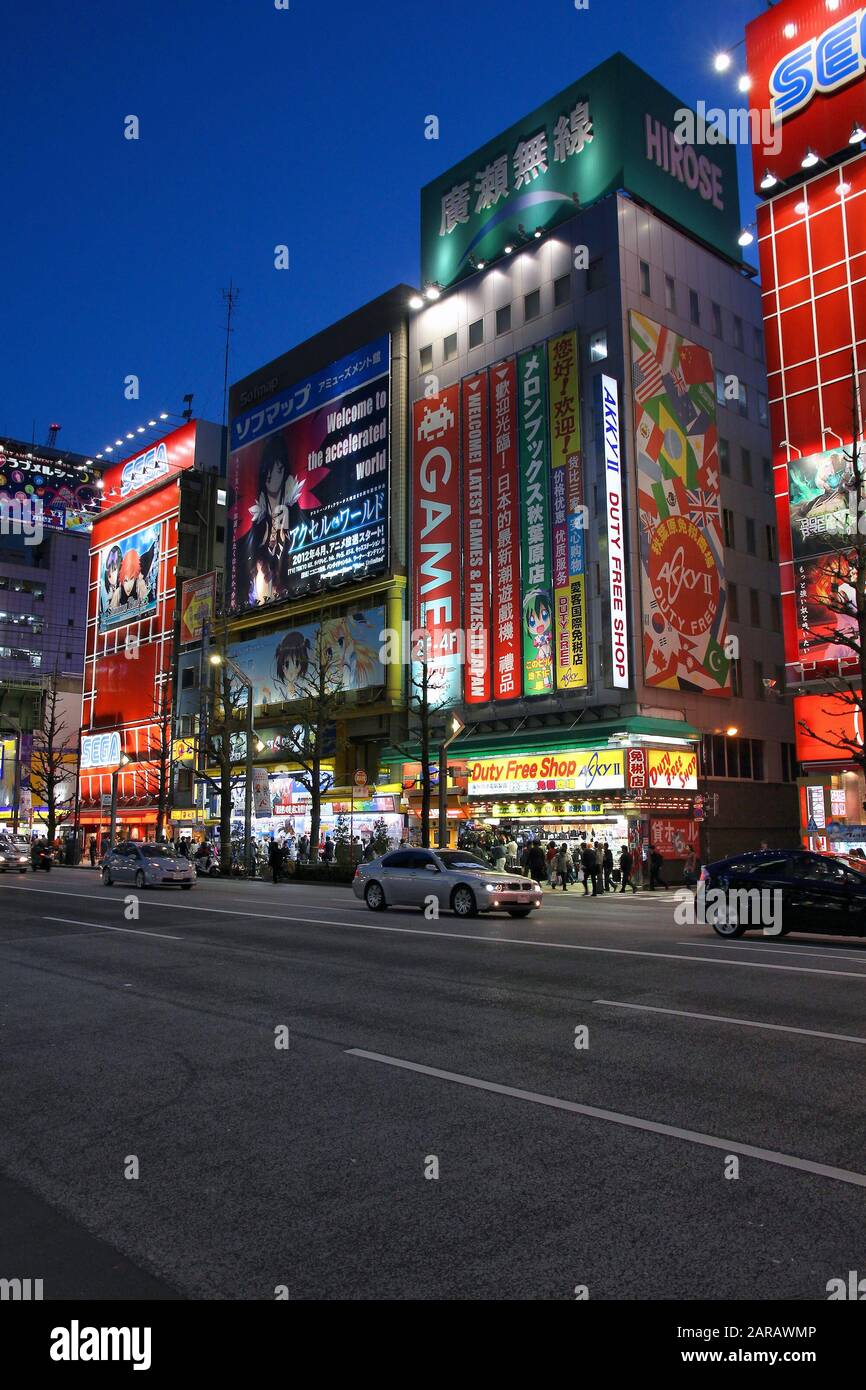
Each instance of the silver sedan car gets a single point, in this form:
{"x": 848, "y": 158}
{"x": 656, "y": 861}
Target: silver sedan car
{"x": 455, "y": 878}
{"x": 146, "y": 865}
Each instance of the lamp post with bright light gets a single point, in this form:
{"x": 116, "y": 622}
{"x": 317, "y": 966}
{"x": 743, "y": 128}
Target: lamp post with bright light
{"x": 218, "y": 659}
{"x": 113, "y": 814}
{"x": 457, "y": 727}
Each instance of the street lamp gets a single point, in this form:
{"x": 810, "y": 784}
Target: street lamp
{"x": 218, "y": 659}
{"x": 113, "y": 817}
{"x": 457, "y": 727}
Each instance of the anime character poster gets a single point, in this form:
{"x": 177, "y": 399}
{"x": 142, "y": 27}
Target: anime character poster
{"x": 826, "y": 600}
{"x": 283, "y": 665}
{"x": 129, "y": 578}
{"x": 823, "y": 503}
{"x": 309, "y": 476}
{"x": 683, "y": 591}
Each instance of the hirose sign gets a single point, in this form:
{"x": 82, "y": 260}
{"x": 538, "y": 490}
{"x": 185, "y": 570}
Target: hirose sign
{"x": 609, "y": 401}
{"x": 808, "y": 68}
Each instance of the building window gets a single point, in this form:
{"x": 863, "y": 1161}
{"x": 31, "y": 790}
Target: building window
{"x": 728, "y": 525}
{"x": 561, "y": 291}
{"x": 720, "y": 386}
{"x": 503, "y": 319}
{"x": 476, "y": 333}
{"x": 221, "y": 496}
{"x": 747, "y": 467}
{"x": 759, "y": 344}
{"x": 72, "y": 590}
{"x": 738, "y": 333}
{"x": 717, "y": 320}
{"x": 763, "y": 411}
{"x": 69, "y": 656}
{"x": 70, "y": 622}
{"x": 775, "y": 612}
{"x": 187, "y": 678}
{"x": 750, "y": 536}
{"x": 670, "y": 293}
{"x": 694, "y": 307}
{"x": 725, "y": 457}
{"x": 790, "y": 769}
{"x": 755, "y": 607}
{"x": 220, "y": 535}
{"x": 532, "y": 305}
{"x": 598, "y": 346}
{"x": 768, "y": 476}
{"x": 771, "y": 542}
{"x": 449, "y": 348}
{"x": 732, "y": 757}
{"x": 595, "y": 275}
{"x": 733, "y": 602}
{"x": 425, "y": 357}
{"x": 644, "y": 277}
{"x": 743, "y": 399}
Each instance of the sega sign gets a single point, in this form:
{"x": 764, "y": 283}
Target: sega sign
{"x": 807, "y": 64}
{"x": 144, "y": 469}
{"x": 819, "y": 65}
{"x": 100, "y": 750}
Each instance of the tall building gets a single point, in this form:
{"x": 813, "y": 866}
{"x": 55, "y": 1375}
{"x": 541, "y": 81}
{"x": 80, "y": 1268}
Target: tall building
{"x": 807, "y": 64}
{"x": 162, "y": 522}
{"x": 593, "y": 531}
{"x": 316, "y": 560}
{"x": 48, "y": 500}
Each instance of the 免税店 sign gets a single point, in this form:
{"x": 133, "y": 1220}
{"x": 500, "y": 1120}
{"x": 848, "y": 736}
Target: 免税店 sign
{"x": 586, "y": 770}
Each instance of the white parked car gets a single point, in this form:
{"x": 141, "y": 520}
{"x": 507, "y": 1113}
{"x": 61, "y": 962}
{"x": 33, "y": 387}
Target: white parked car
{"x": 147, "y": 866}
{"x": 457, "y": 879}
{"x": 14, "y": 854}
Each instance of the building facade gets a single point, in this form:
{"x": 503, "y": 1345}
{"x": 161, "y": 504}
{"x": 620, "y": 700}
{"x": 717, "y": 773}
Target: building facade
{"x": 593, "y": 528}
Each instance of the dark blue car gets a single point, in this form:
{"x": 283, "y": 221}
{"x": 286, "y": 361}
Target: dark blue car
{"x": 798, "y": 891}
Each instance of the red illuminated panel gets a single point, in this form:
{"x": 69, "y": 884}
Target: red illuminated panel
{"x": 826, "y": 718}
{"x": 819, "y": 83}
{"x": 125, "y": 686}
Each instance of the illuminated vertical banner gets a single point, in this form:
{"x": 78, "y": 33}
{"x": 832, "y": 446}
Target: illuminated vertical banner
{"x": 436, "y": 540}
{"x": 536, "y": 594}
{"x": 569, "y": 514}
{"x": 475, "y": 488}
{"x": 507, "y": 673}
{"x": 608, "y": 417}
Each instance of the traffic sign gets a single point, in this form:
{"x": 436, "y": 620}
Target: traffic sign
{"x": 360, "y": 778}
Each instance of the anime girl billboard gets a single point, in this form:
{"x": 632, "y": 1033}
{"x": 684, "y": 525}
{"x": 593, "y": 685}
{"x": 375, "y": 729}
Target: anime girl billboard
{"x": 128, "y": 579}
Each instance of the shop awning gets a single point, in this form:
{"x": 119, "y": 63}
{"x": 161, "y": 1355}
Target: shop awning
{"x": 587, "y": 734}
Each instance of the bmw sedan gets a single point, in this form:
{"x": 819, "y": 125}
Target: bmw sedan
{"x": 146, "y": 866}
{"x": 780, "y": 891}
{"x": 455, "y": 878}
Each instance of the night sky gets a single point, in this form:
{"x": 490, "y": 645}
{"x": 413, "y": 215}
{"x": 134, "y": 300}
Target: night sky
{"x": 258, "y": 126}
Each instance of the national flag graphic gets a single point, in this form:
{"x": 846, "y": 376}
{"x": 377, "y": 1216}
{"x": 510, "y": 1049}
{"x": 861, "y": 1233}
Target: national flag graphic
{"x": 703, "y": 507}
{"x": 648, "y": 380}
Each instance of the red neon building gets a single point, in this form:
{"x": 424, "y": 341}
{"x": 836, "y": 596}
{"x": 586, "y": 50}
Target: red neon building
{"x": 806, "y": 59}
{"x": 148, "y": 538}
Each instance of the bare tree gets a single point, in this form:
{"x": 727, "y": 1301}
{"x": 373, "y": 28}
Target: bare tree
{"x": 157, "y": 768}
{"x": 312, "y": 679}
{"x": 844, "y": 598}
{"x": 226, "y": 726}
{"x": 425, "y": 709}
{"x": 50, "y": 773}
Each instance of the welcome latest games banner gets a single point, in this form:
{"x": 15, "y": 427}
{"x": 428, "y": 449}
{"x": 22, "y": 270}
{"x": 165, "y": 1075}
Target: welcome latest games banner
{"x": 683, "y": 592}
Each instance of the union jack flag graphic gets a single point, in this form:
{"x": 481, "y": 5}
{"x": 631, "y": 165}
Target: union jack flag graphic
{"x": 648, "y": 378}
{"x": 703, "y": 508}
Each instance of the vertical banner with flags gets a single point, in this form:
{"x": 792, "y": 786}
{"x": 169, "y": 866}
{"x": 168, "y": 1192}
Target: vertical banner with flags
{"x": 475, "y": 489}
{"x": 436, "y": 540}
{"x": 569, "y": 514}
{"x": 507, "y": 672}
{"x": 536, "y": 593}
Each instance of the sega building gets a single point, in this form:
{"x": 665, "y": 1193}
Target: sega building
{"x": 592, "y": 522}
{"x": 162, "y": 521}
{"x": 807, "y": 59}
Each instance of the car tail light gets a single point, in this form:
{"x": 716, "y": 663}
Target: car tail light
{"x": 704, "y": 876}
{"x": 357, "y": 871}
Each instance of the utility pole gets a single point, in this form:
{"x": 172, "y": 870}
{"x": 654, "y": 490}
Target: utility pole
{"x": 230, "y": 299}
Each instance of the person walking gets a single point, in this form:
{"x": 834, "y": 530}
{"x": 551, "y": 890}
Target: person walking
{"x": 275, "y": 859}
{"x": 589, "y": 860}
{"x": 498, "y": 854}
{"x": 625, "y": 868}
{"x": 606, "y": 866}
{"x": 551, "y": 864}
{"x": 536, "y": 862}
{"x": 91, "y": 846}
{"x": 329, "y": 850}
{"x": 656, "y": 862}
{"x": 564, "y": 865}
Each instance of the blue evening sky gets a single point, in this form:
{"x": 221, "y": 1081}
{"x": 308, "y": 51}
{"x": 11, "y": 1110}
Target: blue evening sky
{"x": 258, "y": 126}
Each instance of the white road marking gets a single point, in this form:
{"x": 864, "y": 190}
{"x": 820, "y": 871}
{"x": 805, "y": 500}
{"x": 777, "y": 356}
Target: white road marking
{"x": 740, "y": 1022}
{"x": 592, "y": 1112}
{"x": 792, "y": 950}
{"x": 98, "y": 926}
{"x": 287, "y": 920}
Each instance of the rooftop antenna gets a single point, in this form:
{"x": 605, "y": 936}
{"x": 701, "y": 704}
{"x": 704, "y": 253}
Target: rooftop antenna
{"x": 187, "y": 414}
{"x": 230, "y": 299}
{"x": 53, "y": 431}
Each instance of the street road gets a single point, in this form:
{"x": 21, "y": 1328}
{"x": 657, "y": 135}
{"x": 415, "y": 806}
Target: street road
{"x": 417, "y": 1047}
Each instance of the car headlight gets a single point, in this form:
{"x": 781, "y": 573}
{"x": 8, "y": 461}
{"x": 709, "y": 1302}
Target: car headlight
{"x": 491, "y": 887}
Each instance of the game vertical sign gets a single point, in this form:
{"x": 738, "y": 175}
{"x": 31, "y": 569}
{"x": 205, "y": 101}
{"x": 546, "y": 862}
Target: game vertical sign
{"x": 436, "y": 540}
{"x": 475, "y": 420}
{"x": 569, "y": 514}
{"x": 536, "y": 593}
{"x": 507, "y": 672}
{"x": 607, "y": 402}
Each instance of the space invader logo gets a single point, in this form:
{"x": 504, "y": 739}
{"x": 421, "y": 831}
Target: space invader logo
{"x": 435, "y": 423}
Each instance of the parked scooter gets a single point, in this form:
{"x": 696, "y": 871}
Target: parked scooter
{"x": 41, "y": 856}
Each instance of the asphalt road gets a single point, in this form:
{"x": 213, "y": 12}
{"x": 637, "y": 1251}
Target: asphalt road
{"x": 410, "y": 1041}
